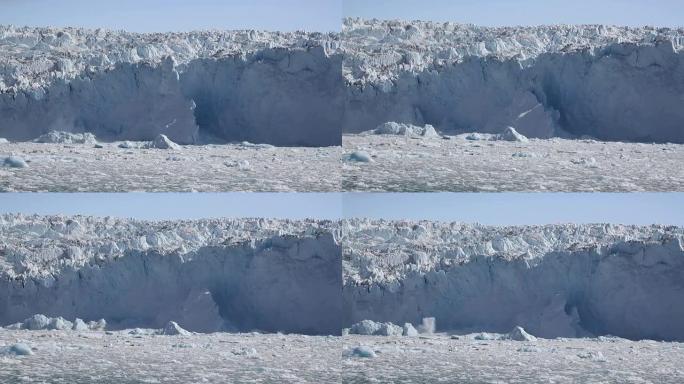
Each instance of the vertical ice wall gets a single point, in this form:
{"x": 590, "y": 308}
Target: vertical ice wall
{"x": 283, "y": 283}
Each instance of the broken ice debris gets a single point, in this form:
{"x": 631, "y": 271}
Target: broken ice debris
{"x": 163, "y": 142}
{"x": 392, "y": 128}
{"x": 409, "y": 330}
{"x": 359, "y": 156}
{"x": 517, "y": 334}
{"x": 41, "y": 322}
{"x": 18, "y": 349}
{"x": 62, "y": 137}
{"x": 363, "y": 351}
{"x": 370, "y": 327}
{"x": 172, "y": 328}
{"x": 14, "y": 162}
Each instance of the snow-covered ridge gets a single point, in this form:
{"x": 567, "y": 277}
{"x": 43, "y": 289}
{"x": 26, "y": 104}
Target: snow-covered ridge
{"x": 383, "y": 251}
{"x": 33, "y": 57}
{"x": 377, "y": 50}
{"x": 34, "y": 246}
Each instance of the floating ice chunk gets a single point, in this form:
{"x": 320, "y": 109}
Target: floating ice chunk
{"x": 409, "y": 330}
{"x": 14, "y": 162}
{"x": 80, "y": 325}
{"x": 393, "y": 128}
{"x": 591, "y": 355}
{"x": 60, "y": 324}
{"x": 18, "y": 349}
{"x": 427, "y": 326}
{"x": 172, "y": 328}
{"x": 247, "y": 352}
{"x": 3, "y": 140}
{"x": 365, "y": 327}
{"x": 510, "y": 134}
{"x": 363, "y": 351}
{"x": 587, "y": 162}
{"x": 519, "y": 334}
{"x": 99, "y": 325}
{"x": 360, "y": 156}
{"x": 36, "y": 322}
{"x": 389, "y": 329}
{"x": 62, "y": 137}
{"x": 163, "y": 142}
{"x": 486, "y": 336}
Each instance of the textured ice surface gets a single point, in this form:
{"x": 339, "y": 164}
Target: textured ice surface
{"x": 120, "y": 357}
{"x": 553, "y": 280}
{"x": 129, "y": 166}
{"x": 271, "y": 275}
{"x": 280, "y": 88}
{"x": 613, "y": 83}
{"x": 439, "y": 358}
{"x": 462, "y": 164}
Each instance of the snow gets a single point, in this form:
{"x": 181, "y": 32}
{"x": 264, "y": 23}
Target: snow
{"x": 106, "y": 167}
{"x": 464, "y": 165}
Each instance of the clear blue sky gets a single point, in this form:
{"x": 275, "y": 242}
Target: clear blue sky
{"x": 176, "y": 15}
{"x": 485, "y": 208}
{"x": 524, "y": 12}
{"x": 521, "y": 208}
{"x": 159, "y": 206}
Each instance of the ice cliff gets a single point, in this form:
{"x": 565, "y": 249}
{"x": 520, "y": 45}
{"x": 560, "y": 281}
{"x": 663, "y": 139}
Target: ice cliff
{"x": 611, "y": 83}
{"x": 207, "y": 275}
{"x": 270, "y": 87}
{"x": 317, "y": 277}
{"x": 553, "y": 280}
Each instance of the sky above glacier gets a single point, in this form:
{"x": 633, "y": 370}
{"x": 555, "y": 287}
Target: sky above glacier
{"x": 176, "y": 15}
{"x": 484, "y": 208}
{"x": 524, "y": 12}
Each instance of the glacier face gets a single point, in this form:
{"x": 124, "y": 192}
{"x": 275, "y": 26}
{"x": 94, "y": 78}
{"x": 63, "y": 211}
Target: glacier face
{"x": 554, "y": 280}
{"x": 276, "y": 88}
{"x": 611, "y": 83}
{"x": 209, "y": 275}
{"x": 316, "y": 277}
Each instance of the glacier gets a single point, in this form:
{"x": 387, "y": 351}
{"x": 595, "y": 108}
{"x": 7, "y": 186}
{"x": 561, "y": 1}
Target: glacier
{"x": 318, "y": 277}
{"x": 305, "y": 88}
{"x": 276, "y": 88}
{"x": 610, "y": 83}
{"x": 207, "y": 275}
{"x": 553, "y": 280}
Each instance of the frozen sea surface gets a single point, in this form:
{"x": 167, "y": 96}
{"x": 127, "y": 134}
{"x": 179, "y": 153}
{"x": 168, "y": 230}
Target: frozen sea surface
{"x": 120, "y": 357}
{"x": 411, "y": 164}
{"x": 204, "y": 168}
